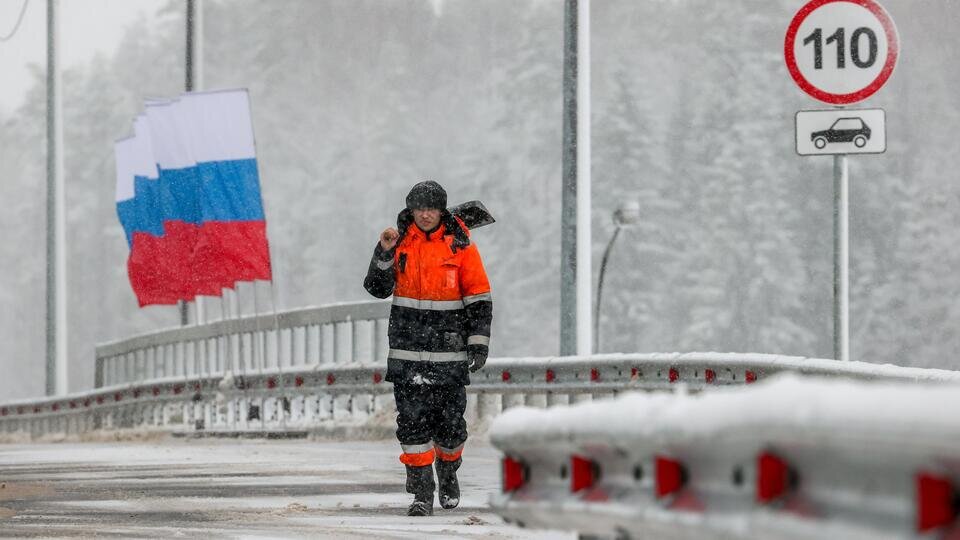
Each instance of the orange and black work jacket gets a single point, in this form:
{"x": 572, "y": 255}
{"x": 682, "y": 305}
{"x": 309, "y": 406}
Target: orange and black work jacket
{"x": 441, "y": 301}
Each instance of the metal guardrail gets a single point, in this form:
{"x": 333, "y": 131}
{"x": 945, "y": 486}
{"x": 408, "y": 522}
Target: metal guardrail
{"x": 794, "y": 457}
{"x": 338, "y": 333}
{"x": 325, "y": 395}
{"x": 322, "y": 367}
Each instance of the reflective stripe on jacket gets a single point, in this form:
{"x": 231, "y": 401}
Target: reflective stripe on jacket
{"x": 441, "y": 303}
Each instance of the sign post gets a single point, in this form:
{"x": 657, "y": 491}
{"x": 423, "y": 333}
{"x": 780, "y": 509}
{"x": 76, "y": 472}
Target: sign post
{"x": 841, "y": 52}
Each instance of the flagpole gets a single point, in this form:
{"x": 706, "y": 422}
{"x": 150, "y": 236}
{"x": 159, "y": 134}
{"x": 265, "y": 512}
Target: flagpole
{"x": 276, "y": 326}
{"x": 237, "y": 312}
{"x": 194, "y": 81}
{"x": 276, "y": 333}
{"x": 260, "y": 353}
{"x": 273, "y": 295}
{"x": 225, "y": 338}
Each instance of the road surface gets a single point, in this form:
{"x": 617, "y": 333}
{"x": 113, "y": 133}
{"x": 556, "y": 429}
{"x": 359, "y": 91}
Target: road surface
{"x": 214, "y": 488}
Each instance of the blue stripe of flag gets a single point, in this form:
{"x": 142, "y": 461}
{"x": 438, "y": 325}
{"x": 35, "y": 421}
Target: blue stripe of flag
{"x": 211, "y": 191}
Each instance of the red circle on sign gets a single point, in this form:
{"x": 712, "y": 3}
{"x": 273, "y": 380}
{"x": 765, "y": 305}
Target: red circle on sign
{"x": 893, "y": 50}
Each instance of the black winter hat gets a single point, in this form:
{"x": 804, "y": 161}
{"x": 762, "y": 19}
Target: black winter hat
{"x": 428, "y": 194}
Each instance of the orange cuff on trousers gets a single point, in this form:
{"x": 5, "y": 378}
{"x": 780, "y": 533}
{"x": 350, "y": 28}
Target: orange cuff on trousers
{"x": 418, "y": 460}
{"x": 451, "y": 456}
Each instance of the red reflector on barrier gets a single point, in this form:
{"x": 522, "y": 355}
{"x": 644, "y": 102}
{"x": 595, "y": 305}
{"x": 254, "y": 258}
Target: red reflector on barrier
{"x": 99, "y": 400}
{"x": 583, "y": 473}
{"x": 773, "y": 477}
{"x": 271, "y": 383}
{"x": 86, "y": 403}
{"x": 118, "y": 396}
{"x": 298, "y": 381}
{"x": 196, "y": 387}
{"x": 73, "y": 404}
{"x": 331, "y": 379}
{"x": 935, "y": 501}
{"x": 505, "y": 376}
{"x": 710, "y": 376}
{"x": 513, "y": 477}
{"x": 674, "y": 375}
{"x": 671, "y": 476}
{"x": 3, "y": 411}
{"x": 634, "y": 373}
{"x": 36, "y": 409}
{"x": 750, "y": 376}
{"x": 551, "y": 376}
{"x": 377, "y": 377}
{"x": 177, "y": 389}
{"x": 56, "y": 407}
{"x": 594, "y": 374}
{"x": 156, "y": 391}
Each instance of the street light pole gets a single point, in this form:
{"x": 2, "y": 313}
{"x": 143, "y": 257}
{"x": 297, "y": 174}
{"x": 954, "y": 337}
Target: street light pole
{"x": 603, "y": 269}
{"x": 626, "y": 216}
{"x": 575, "y": 265}
{"x": 56, "y": 382}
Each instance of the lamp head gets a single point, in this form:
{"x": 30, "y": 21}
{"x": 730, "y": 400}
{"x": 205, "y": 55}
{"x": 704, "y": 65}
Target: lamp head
{"x": 628, "y": 214}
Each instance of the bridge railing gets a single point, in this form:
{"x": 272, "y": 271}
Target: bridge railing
{"x": 332, "y": 334}
{"x": 323, "y": 368}
{"x": 333, "y": 396}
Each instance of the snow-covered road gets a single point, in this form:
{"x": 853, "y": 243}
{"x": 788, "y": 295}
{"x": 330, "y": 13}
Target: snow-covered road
{"x": 234, "y": 488}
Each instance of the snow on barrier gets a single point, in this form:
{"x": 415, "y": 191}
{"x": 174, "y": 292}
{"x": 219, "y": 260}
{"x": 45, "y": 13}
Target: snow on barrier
{"x": 793, "y": 457}
{"x": 303, "y": 398}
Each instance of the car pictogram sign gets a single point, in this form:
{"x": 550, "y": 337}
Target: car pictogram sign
{"x": 841, "y": 131}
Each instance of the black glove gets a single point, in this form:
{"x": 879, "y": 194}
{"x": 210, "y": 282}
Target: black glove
{"x": 384, "y": 254}
{"x": 476, "y": 356}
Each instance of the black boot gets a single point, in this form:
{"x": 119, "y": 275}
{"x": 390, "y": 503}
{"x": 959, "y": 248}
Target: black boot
{"x": 449, "y": 487}
{"x": 420, "y": 484}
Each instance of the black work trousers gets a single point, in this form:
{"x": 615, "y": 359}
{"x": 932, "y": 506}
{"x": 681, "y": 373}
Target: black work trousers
{"x": 428, "y": 412}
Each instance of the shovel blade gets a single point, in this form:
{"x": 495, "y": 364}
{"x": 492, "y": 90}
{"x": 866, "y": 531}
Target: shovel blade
{"x": 473, "y": 214}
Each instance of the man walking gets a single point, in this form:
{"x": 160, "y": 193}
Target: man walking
{"x": 439, "y": 329}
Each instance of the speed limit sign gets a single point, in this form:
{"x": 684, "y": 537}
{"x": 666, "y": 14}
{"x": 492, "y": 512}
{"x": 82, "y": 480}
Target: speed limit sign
{"x": 841, "y": 51}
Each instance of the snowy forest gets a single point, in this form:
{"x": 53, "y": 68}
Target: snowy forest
{"x": 356, "y": 100}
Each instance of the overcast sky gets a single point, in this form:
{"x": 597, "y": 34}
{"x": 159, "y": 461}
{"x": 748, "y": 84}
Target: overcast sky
{"x": 87, "y": 27}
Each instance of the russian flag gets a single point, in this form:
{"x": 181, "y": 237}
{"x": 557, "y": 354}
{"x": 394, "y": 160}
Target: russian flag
{"x": 188, "y": 197}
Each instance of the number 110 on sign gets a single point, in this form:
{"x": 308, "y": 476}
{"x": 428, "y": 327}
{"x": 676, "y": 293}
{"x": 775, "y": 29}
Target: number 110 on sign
{"x": 816, "y": 39}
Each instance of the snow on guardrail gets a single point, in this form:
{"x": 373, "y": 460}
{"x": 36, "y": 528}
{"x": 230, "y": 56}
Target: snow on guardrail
{"x": 794, "y": 457}
{"x": 303, "y": 398}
